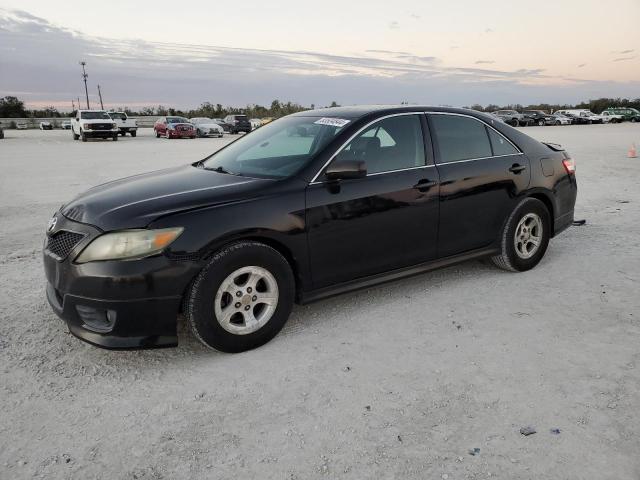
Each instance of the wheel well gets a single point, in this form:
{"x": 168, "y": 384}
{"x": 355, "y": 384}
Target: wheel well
{"x": 281, "y": 248}
{"x": 547, "y": 202}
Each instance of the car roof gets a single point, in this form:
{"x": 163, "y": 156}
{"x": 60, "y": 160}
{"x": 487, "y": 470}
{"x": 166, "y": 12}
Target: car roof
{"x": 359, "y": 111}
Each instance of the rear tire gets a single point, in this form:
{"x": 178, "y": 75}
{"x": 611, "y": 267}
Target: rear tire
{"x": 133, "y": 133}
{"x": 541, "y": 123}
{"x": 530, "y": 220}
{"x": 242, "y": 328}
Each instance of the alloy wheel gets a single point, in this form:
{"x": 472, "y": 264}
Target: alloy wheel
{"x": 528, "y": 236}
{"x": 246, "y": 300}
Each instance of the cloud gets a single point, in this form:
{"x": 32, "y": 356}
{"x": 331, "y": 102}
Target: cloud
{"x": 624, "y": 59}
{"x": 40, "y": 60}
{"x": 622, "y": 52}
{"x": 482, "y": 62}
{"x": 394, "y": 25}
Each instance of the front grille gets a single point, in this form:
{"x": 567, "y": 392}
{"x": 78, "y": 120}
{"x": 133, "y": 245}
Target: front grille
{"x": 101, "y": 126}
{"x": 62, "y": 242}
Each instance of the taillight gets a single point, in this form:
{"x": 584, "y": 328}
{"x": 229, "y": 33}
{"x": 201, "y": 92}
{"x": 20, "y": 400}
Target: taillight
{"x": 569, "y": 165}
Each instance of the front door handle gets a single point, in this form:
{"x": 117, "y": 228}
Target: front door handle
{"x": 424, "y": 185}
{"x": 517, "y": 168}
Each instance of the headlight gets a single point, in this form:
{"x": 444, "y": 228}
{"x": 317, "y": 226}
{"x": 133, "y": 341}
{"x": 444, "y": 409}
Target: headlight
{"x": 115, "y": 125}
{"x": 128, "y": 244}
{"x": 87, "y": 126}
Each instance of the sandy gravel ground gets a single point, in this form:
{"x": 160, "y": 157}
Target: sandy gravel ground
{"x": 399, "y": 381}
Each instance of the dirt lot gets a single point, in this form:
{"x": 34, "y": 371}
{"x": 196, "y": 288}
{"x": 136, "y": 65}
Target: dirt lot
{"x": 398, "y": 381}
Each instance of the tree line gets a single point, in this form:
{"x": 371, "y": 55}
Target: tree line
{"x": 596, "y": 106}
{"x": 13, "y": 107}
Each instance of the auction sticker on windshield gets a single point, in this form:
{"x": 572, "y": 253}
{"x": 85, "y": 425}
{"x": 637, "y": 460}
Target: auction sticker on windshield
{"x": 333, "y": 122}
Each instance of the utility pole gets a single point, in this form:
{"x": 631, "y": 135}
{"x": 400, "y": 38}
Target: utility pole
{"x": 84, "y": 77}
{"x": 73, "y": 105}
{"x": 100, "y": 95}
{"x": 78, "y": 103}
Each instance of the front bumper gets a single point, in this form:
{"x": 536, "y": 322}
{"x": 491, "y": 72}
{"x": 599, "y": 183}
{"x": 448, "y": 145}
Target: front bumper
{"x": 116, "y": 304}
{"x": 100, "y": 133}
{"x": 181, "y": 133}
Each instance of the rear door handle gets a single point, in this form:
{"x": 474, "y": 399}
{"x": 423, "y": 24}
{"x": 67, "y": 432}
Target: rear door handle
{"x": 517, "y": 168}
{"x": 424, "y": 185}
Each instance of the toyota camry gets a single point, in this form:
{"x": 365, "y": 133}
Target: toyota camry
{"x": 310, "y": 205}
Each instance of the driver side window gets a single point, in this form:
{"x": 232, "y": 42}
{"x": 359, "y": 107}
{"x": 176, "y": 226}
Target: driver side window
{"x": 394, "y": 143}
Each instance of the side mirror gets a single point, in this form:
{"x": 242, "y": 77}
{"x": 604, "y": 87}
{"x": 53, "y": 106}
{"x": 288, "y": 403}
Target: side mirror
{"x": 346, "y": 169}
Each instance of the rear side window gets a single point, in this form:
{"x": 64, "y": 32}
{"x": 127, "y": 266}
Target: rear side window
{"x": 500, "y": 144}
{"x": 460, "y": 138}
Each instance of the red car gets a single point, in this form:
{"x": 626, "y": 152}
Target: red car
{"x": 174, "y": 127}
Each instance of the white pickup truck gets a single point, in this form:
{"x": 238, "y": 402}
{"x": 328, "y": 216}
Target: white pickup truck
{"x": 125, "y": 124}
{"x": 93, "y": 124}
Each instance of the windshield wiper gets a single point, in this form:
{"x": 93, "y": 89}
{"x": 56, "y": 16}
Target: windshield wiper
{"x": 221, "y": 169}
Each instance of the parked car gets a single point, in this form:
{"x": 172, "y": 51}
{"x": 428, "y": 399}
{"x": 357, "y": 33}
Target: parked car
{"x": 561, "y": 119}
{"x": 238, "y": 123}
{"x": 255, "y": 123}
{"x": 21, "y": 125}
{"x": 538, "y": 117}
{"x": 125, "y": 124}
{"x": 512, "y": 117}
{"x": 628, "y": 113}
{"x": 1, "y": 131}
{"x": 44, "y": 125}
{"x": 576, "y": 118}
{"x": 174, "y": 127}
{"x": 225, "y": 126}
{"x": 66, "y": 125}
{"x": 583, "y": 115}
{"x": 233, "y": 240}
{"x": 610, "y": 117}
{"x": 93, "y": 124}
{"x": 206, "y": 127}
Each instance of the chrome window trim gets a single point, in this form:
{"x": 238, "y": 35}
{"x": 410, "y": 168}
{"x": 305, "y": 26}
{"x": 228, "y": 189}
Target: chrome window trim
{"x": 313, "y": 180}
{"x": 388, "y": 171}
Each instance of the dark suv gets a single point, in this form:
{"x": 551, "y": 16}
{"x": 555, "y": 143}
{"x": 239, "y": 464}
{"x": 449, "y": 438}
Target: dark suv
{"x": 308, "y": 206}
{"x": 538, "y": 117}
{"x": 238, "y": 123}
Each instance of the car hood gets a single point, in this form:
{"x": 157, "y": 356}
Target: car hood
{"x": 134, "y": 202}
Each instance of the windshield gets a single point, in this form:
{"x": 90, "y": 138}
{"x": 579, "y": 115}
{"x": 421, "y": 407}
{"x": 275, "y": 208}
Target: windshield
{"x": 95, "y": 116}
{"x": 277, "y": 150}
{"x": 177, "y": 120}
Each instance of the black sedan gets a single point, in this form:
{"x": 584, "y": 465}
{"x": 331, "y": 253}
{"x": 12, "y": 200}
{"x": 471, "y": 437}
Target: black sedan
{"x": 356, "y": 197}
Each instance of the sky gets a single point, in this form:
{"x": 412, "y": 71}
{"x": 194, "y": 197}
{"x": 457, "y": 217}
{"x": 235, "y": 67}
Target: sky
{"x": 439, "y": 52}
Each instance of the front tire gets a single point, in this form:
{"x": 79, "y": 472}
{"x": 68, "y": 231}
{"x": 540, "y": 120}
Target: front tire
{"x": 541, "y": 123}
{"x": 133, "y": 133}
{"x": 83, "y": 136}
{"x": 115, "y": 137}
{"x": 525, "y": 237}
{"x": 242, "y": 298}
